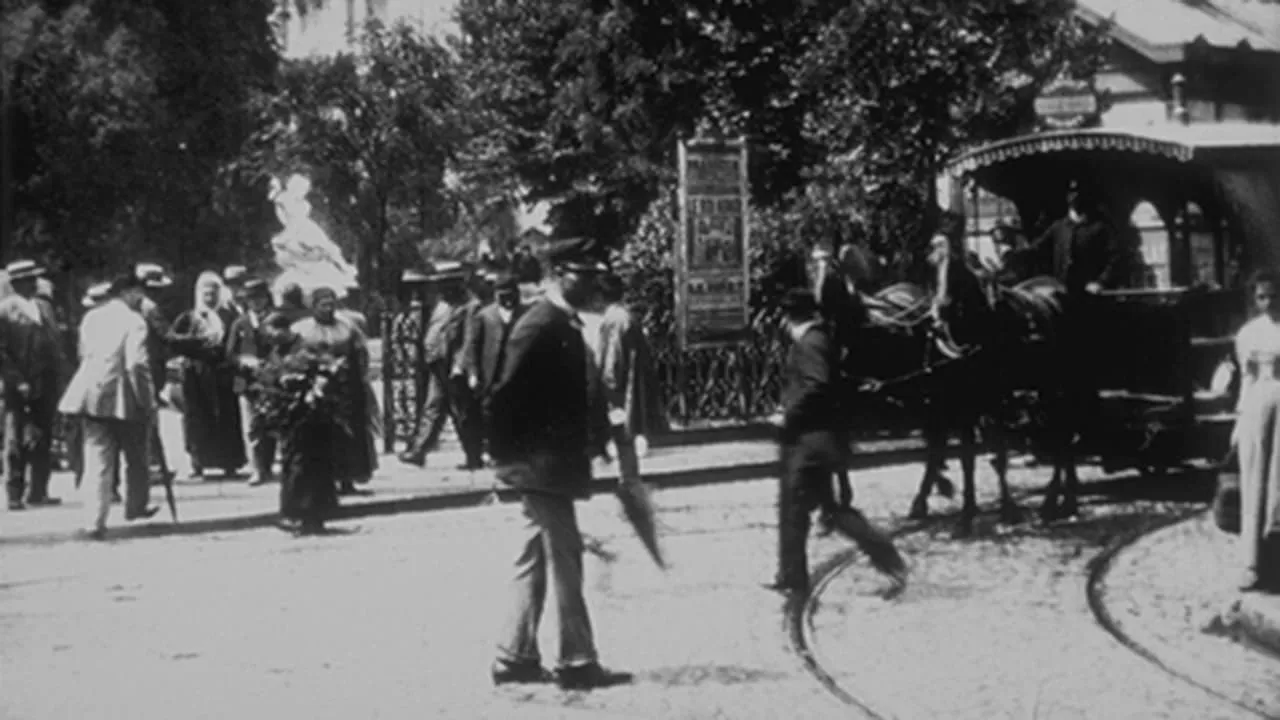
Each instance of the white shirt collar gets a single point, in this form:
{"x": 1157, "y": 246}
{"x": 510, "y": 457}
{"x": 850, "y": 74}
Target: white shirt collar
{"x": 505, "y": 314}
{"x": 805, "y": 327}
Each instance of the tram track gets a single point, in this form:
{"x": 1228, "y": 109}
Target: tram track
{"x": 799, "y": 613}
{"x": 1100, "y": 566}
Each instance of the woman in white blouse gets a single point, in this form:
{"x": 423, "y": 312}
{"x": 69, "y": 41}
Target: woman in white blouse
{"x": 1257, "y": 435}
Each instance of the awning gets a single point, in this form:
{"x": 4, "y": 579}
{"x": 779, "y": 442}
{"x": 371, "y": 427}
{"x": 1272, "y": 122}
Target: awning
{"x": 1178, "y": 143}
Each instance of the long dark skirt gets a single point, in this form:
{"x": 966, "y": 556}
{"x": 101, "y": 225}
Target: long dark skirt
{"x": 211, "y": 417}
{"x": 357, "y": 456}
{"x": 308, "y": 484}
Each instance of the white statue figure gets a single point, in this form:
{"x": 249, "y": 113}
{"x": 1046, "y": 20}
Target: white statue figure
{"x": 304, "y": 254}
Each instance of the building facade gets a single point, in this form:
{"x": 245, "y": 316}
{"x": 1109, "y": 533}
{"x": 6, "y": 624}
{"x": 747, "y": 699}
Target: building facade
{"x": 1173, "y": 65}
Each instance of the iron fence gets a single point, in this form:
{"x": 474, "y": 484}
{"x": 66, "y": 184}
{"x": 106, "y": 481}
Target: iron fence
{"x": 697, "y": 388}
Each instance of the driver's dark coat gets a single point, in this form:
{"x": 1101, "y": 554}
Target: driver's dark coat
{"x": 813, "y": 427}
{"x": 1078, "y": 253}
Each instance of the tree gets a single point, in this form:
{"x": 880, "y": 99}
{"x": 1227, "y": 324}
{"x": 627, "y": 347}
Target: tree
{"x": 375, "y": 131}
{"x": 123, "y": 115}
{"x": 583, "y": 102}
{"x": 894, "y": 89}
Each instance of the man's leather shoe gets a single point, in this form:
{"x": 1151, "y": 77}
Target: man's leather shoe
{"x": 505, "y": 673}
{"x": 411, "y": 459}
{"x": 589, "y": 677}
{"x": 92, "y": 534}
{"x": 143, "y": 515}
{"x": 45, "y": 501}
{"x": 787, "y": 589}
{"x": 17, "y": 505}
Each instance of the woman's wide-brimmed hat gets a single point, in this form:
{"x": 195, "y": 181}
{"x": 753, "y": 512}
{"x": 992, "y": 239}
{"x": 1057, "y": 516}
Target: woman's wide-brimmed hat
{"x": 24, "y": 270}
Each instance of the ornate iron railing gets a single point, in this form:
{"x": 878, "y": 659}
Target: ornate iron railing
{"x": 709, "y": 386}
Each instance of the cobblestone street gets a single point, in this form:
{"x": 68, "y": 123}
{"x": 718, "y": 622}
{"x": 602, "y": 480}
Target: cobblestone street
{"x": 396, "y": 619}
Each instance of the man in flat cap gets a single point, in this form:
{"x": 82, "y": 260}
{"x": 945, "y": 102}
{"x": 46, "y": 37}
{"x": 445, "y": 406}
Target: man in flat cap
{"x": 113, "y": 395}
{"x": 32, "y": 365}
{"x": 814, "y": 445}
{"x": 248, "y": 348}
{"x": 545, "y": 428}
{"x": 441, "y": 346}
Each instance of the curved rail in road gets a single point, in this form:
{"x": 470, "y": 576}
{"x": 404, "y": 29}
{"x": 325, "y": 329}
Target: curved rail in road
{"x": 799, "y": 613}
{"x": 1098, "y": 570}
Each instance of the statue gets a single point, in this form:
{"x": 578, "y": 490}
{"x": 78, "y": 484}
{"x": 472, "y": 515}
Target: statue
{"x": 303, "y": 252}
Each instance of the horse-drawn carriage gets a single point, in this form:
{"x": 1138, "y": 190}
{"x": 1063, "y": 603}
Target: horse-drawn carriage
{"x": 1154, "y": 351}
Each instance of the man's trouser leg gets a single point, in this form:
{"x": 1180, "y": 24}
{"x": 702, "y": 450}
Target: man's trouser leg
{"x": 435, "y": 409}
{"x": 40, "y": 455}
{"x": 552, "y": 545}
{"x": 132, "y": 438}
{"x": 466, "y": 420}
{"x": 19, "y": 458}
{"x": 262, "y": 448}
{"x": 802, "y": 488}
{"x": 101, "y": 467}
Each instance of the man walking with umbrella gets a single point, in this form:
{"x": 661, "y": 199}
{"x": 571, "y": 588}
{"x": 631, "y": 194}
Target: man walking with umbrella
{"x": 113, "y": 393}
{"x": 545, "y": 426}
{"x": 813, "y": 445}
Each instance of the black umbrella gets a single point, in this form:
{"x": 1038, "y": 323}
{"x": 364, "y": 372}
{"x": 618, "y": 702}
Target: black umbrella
{"x": 634, "y": 495}
{"x": 166, "y": 477}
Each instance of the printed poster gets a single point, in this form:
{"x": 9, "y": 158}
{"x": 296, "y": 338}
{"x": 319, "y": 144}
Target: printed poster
{"x": 712, "y": 269}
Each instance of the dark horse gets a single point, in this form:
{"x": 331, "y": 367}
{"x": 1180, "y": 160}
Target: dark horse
{"x": 970, "y": 356}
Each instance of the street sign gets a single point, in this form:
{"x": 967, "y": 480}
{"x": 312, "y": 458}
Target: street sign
{"x": 712, "y": 260}
{"x": 1067, "y": 104}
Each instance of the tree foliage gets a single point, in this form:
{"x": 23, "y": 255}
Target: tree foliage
{"x": 585, "y": 100}
{"x": 121, "y": 124}
{"x": 375, "y": 130}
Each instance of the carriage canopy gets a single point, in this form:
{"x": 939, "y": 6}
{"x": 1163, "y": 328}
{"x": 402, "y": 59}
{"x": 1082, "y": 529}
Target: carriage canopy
{"x": 1229, "y": 170}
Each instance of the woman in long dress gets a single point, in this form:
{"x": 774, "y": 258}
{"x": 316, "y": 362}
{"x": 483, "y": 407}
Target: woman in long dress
{"x": 321, "y": 458}
{"x": 1257, "y": 437}
{"x": 211, "y": 417}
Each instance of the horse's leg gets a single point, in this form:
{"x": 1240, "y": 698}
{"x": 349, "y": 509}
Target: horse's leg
{"x": 998, "y": 437}
{"x": 1070, "y": 486}
{"x": 968, "y": 457}
{"x": 1059, "y": 439}
{"x": 935, "y": 444}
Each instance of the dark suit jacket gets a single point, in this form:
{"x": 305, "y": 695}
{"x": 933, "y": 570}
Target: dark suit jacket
{"x": 1078, "y": 254}
{"x": 31, "y": 351}
{"x": 813, "y": 423}
{"x": 157, "y": 344}
{"x": 246, "y": 339}
{"x": 544, "y": 424}
{"x": 483, "y": 355}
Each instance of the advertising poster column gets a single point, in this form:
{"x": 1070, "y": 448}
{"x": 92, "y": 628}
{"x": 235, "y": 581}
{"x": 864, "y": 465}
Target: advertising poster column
{"x": 713, "y": 257}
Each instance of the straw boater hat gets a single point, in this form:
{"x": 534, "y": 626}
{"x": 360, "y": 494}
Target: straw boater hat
{"x": 152, "y": 276}
{"x": 581, "y": 255}
{"x": 23, "y": 270}
{"x": 234, "y": 274}
{"x": 449, "y": 271}
{"x": 96, "y": 294}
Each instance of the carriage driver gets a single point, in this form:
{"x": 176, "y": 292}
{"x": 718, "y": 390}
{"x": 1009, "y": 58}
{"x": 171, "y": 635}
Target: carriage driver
{"x": 1080, "y": 249}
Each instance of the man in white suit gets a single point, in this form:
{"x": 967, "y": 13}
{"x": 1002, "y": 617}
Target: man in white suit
{"x": 112, "y": 392}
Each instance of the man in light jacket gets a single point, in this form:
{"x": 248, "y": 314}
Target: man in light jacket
{"x": 113, "y": 393}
